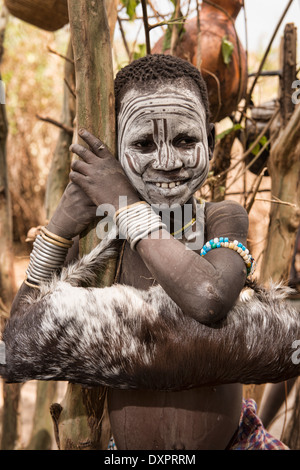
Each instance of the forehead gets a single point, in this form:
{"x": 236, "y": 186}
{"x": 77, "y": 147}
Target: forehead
{"x": 169, "y": 100}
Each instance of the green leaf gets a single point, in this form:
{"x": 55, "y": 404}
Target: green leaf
{"x": 130, "y": 7}
{"x": 227, "y": 50}
{"x": 223, "y": 134}
{"x": 258, "y": 146}
{"x": 141, "y": 52}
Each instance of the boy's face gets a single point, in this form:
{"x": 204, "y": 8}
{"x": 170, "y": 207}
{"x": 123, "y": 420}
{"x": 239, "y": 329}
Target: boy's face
{"x": 163, "y": 143}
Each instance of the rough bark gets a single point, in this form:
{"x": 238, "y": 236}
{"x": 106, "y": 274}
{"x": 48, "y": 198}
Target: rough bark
{"x": 291, "y": 435}
{"x": 284, "y": 169}
{"x": 42, "y": 432}
{"x": 60, "y": 167}
{"x": 11, "y": 393}
{"x": 81, "y": 421}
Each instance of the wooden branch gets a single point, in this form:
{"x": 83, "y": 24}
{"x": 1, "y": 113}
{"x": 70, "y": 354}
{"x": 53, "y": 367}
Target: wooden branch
{"x": 83, "y": 421}
{"x": 262, "y": 63}
{"x": 175, "y": 32}
{"x": 284, "y": 169}
{"x": 70, "y": 88}
{"x": 60, "y": 55}
{"x": 146, "y": 26}
{"x": 254, "y": 190}
{"x": 61, "y": 125}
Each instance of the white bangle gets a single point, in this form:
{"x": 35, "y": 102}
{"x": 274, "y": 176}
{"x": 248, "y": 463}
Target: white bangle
{"x": 137, "y": 222}
{"x": 45, "y": 259}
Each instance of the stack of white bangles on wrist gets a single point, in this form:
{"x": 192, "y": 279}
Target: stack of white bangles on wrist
{"x": 48, "y": 255}
{"x": 137, "y": 221}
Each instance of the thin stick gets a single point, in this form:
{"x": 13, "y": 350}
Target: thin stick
{"x": 257, "y": 140}
{"x": 175, "y": 35}
{"x": 146, "y": 26}
{"x": 180, "y": 20}
{"x": 275, "y": 200}
{"x": 124, "y": 37}
{"x": 70, "y": 88}
{"x": 248, "y": 205}
{"x": 248, "y": 98}
{"x": 67, "y": 129}
{"x": 199, "y": 55}
{"x": 60, "y": 55}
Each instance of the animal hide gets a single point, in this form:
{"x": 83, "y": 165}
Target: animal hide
{"x": 123, "y": 337}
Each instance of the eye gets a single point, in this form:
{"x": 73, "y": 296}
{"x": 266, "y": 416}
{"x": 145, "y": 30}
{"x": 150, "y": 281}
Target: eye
{"x": 185, "y": 141}
{"x": 144, "y": 145}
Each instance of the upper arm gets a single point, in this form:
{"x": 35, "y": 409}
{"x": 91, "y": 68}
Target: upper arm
{"x": 226, "y": 219}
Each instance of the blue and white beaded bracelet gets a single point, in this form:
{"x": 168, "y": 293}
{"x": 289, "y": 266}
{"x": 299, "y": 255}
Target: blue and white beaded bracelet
{"x": 224, "y": 242}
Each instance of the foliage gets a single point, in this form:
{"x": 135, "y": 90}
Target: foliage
{"x": 227, "y": 50}
{"x": 130, "y": 7}
{"x": 168, "y": 34}
{"x": 141, "y": 51}
{"x": 223, "y": 134}
{"x": 258, "y": 146}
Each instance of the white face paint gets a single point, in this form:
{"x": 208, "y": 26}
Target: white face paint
{"x": 163, "y": 145}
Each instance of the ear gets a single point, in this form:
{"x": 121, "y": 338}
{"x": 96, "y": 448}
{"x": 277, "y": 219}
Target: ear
{"x": 211, "y": 140}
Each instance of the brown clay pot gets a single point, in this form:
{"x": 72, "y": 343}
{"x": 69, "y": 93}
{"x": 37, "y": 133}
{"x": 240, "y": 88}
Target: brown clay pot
{"x": 226, "y": 82}
{"x": 46, "y": 14}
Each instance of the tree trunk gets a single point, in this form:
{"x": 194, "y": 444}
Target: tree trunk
{"x": 60, "y": 166}
{"x": 11, "y": 392}
{"x": 81, "y": 422}
{"x": 284, "y": 169}
{"x": 291, "y": 436}
{"x": 58, "y": 178}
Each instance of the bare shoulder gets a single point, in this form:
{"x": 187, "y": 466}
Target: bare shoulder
{"x": 226, "y": 219}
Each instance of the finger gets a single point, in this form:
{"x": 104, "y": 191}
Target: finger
{"x": 83, "y": 153}
{"x": 93, "y": 142}
{"x": 81, "y": 167}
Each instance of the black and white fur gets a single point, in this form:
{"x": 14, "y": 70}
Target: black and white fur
{"x": 123, "y": 337}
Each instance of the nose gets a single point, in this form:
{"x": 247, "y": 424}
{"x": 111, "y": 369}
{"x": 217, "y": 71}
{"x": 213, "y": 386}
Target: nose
{"x": 168, "y": 159}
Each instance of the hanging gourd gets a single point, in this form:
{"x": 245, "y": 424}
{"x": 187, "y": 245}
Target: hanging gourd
{"x": 46, "y": 14}
{"x": 223, "y": 58}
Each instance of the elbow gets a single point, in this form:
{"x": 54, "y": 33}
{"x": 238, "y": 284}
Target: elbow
{"x": 208, "y": 306}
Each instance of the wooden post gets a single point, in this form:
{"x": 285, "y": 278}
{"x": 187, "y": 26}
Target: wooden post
{"x": 288, "y": 75}
{"x": 81, "y": 421}
{"x": 284, "y": 169}
{"x": 60, "y": 166}
{"x": 11, "y": 392}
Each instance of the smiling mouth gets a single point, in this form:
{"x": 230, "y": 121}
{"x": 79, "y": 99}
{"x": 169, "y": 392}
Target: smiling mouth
{"x": 170, "y": 185}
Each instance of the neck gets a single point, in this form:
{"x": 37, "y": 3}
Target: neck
{"x": 177, "y": 217}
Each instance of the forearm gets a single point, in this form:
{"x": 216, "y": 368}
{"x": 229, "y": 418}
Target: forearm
{"x": 124, "y": 338}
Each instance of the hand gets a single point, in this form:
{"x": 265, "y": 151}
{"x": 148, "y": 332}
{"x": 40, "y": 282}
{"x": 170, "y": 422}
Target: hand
{"x": 74, "y": 213}
{"x": 99, "y": 174}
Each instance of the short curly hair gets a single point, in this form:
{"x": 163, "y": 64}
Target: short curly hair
{"x": 158, "y": 68}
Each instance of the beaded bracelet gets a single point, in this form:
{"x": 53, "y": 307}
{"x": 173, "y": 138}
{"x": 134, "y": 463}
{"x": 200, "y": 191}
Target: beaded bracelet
{"x": 224, "y": 242}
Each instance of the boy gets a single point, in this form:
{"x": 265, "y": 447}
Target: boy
{"x": 165, "y": 325}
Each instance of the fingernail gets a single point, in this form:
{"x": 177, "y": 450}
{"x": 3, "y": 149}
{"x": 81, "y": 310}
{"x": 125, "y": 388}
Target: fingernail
{"x": 81, "y": 131}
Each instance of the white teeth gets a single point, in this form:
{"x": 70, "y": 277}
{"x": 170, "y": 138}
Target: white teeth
{"x": 168, "y": 185}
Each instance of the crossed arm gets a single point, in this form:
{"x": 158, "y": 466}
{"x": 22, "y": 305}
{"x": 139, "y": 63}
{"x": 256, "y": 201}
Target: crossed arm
{"x": 123, "y": 337}
{"x": 188, "y": 332}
